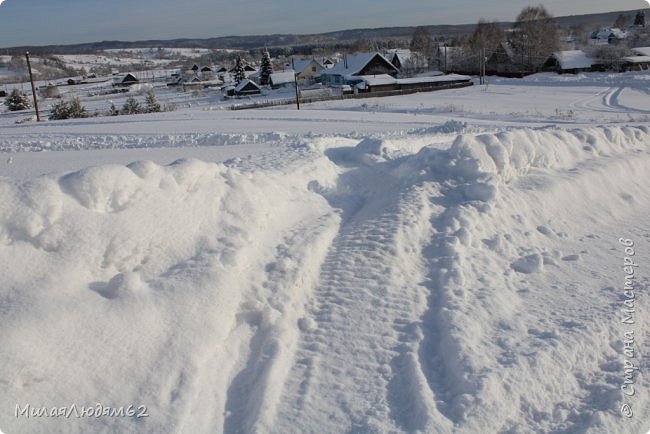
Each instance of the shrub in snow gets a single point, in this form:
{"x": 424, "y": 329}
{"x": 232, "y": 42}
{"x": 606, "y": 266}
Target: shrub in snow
{"x": 68, "y": 109}
{"x": 169, "y": 107}
{"x": 17, "y": 100}
{"x": 113, "y": 111}
{"x": 131, "y": 106}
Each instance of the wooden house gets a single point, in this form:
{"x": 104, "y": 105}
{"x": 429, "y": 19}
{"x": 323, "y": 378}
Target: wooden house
{"x": 569, "y": 61}
{"x": 128, "y": 80}
{"x": 283, "y": 79}
{"x": 502, "y": 61}
{"x": 244, "y": 88}
{"x": 351, "y": 68}
{"x": 307, "y": 69}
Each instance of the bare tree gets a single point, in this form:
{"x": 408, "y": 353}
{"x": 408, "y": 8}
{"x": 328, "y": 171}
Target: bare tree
{"x": 535, "y": 36}
{"x": 360, "y": 46}
{"x": 422, "y": 43}
{"x": 622, "y": 21}
{"x": 421, "y": 40}
{"x": 610, "y": 56}
{"x": 487, "y": 35}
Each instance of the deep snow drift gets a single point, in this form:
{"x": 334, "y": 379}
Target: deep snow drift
{"x": 446, "y": 279}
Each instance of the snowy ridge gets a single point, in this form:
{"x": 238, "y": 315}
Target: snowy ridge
{"x": 472, "y": 307}
{"x": 63, "y": 142}
{"x": 332, "y": 285}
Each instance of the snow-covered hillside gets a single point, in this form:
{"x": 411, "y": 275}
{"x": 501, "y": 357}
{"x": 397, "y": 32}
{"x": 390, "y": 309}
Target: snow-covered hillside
{"x": 444, "y": 262}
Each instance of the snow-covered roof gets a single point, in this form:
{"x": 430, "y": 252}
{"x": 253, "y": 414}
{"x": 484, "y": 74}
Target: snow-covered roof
{"x": 244, "y": 83}
{"x": 385, "y": 79}
{"x": 283, "y": 77}
{"x": 606, "y": 32}
{"x": 573, "y": 59}
{"x": 434, "y": 79}
{"x": 643, "y": 51}
{"x": 299, "y": 65}
{"x": 354, "y": 63}
{"x": 637, "y": 59}
{"x": 378, "y": 80}
{"x": 403, "y": 55}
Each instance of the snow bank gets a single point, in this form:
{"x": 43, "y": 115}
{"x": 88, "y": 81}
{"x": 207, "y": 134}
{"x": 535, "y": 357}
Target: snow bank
{"x": 376, "y": 285}
{"x": 143, "y": 285}
{"x": 500, "y": 194}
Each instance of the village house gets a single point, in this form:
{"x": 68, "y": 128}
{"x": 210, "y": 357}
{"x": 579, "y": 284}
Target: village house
{"x": 307, "y": 69}
{"x": 502, "y": 61}
{"x": 207, "y": 73}
{"x": 407, "y": 61}
{"x": 128, "y": 80}
{"x": 244, "y": 88}
{"x": 635, "y": 63}
{"x": 608, "y": 35}
{"x": 282, "y": 79}
{"x": 569, "y": 61}
{"x": 349, "y": 70}
{"x": 328, "y": 63}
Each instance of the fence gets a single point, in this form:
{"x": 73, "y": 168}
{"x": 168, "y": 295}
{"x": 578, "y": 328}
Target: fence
{"x": 377, "y": 94}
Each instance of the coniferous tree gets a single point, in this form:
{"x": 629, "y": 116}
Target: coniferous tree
{"x": 17, "y": 100}
{"x": 76, "y": 109}
{"x": 68, "y": 110}
{"x": 131, "y": 106}
{"x": 239, "y": 74}
{"x": 265, "y": 68}
{"x": 152, "y": 104}
{"x": 639, "y": 20}
{"x": 60, "y": 110}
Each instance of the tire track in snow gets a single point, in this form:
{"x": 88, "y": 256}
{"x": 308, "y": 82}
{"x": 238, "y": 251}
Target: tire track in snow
{"x": 612, "y": 101}
{"x": 357, "y": 367}
{"x": 271, "y": 321}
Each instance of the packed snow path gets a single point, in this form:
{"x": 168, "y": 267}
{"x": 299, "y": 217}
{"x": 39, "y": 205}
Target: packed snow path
{"x": 333, "y": 285}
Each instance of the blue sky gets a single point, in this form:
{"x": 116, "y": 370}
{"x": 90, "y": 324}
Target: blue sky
{"x": 42, "y": 22}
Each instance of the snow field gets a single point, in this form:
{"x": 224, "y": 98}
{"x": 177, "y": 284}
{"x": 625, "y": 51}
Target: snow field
{"x": 335, "y": 284}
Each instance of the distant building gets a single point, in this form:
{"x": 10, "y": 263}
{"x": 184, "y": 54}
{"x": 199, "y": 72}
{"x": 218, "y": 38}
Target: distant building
{"x": 328, "y": 63}
{"x": 502, "y": 61}
{"x": 284, "y": 79}
{"x": 407, "y": 61}
{"x": 307, "y": 69}
{"x": 570, "y": 61}
{"x": 245, "y": 87}
{"x": 608, "y": 35}
{"x": 349, "y": 69}
{"x": 128, "y": 80}
{"x": 635, "y": 63}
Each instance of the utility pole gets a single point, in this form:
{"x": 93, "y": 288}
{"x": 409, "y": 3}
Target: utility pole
{"x": 295, "y": 81}
{"x": 31, "y": 79}
{"x": 445, "y": 45}
{"x": 483, "y": 62}
{"x": 480, "y": 66}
